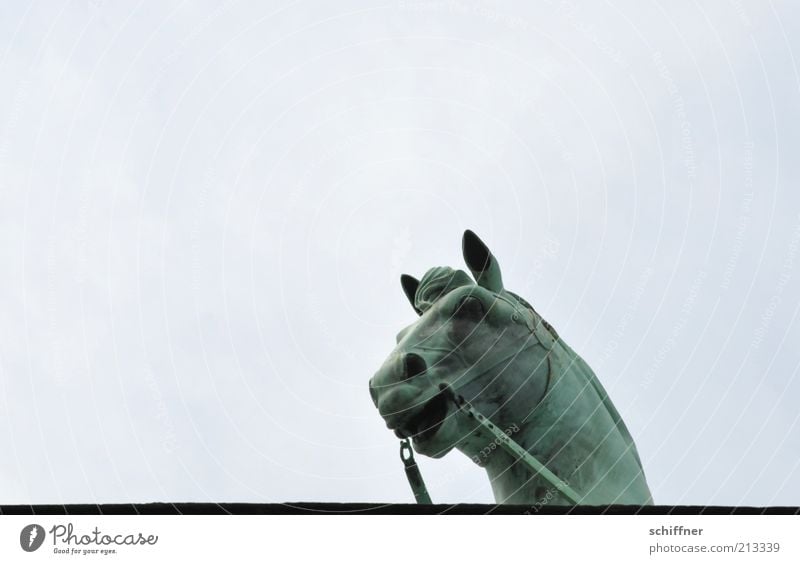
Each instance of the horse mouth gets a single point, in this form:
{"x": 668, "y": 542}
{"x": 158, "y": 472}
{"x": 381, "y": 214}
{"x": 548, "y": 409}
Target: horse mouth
{"x": 427, "y": 422}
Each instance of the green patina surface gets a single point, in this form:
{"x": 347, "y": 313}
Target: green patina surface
{"x": 493, "y": 349}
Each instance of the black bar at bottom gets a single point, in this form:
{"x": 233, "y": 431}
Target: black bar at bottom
{"x": 380, "y": 509}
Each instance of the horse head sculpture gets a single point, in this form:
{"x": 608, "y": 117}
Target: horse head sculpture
{"x": 494, "y": 350}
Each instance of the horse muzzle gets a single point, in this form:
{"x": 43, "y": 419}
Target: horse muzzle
{"x": 406, "y": 400}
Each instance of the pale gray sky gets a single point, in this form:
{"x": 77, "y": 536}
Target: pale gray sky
{"x": 205, "y": 209}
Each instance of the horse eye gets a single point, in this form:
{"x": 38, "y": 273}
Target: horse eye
{"x": 471, "y": 307}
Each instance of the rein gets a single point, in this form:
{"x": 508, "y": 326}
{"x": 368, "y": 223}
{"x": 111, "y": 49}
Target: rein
{"x": 505, "y": 442}
{"x": 413, "y": 474}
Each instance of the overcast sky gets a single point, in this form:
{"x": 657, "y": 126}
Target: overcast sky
{"x": 205, "y": 209}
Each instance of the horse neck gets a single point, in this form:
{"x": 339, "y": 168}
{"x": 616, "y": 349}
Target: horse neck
{"x": 513, "y": 481}
{"x": 575, "y": 436}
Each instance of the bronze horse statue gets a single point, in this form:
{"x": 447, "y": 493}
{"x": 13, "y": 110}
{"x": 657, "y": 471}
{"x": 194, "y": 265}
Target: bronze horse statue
{"x": 489, "y": 346}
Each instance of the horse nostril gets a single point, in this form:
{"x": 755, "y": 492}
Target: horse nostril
{"x": 414, "y": 366}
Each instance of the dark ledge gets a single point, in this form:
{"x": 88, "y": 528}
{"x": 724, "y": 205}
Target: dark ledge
{"x": 379, "y": 509}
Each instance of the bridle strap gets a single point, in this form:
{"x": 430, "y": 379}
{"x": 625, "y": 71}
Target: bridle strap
{"x": 505, "y": 442}
{"x": 413, "y": 474}
{"x": 513, "y": 448}
{"x": 470, "y": 376}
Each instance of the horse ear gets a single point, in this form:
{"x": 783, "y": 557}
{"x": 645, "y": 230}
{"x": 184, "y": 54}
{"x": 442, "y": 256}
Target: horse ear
{"x": 410, "y": 285}
{"x": 481, "y": 262}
